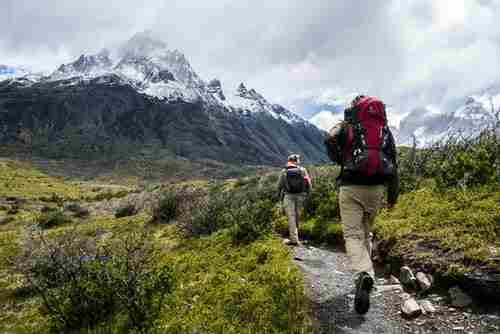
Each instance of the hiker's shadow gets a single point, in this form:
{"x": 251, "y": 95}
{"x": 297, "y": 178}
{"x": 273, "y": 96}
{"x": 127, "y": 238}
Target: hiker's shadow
{"x": 336, "y": 315}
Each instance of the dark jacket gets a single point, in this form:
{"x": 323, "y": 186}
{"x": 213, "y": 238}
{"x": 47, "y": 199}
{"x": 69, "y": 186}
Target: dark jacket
{"x": 282, "y": 180}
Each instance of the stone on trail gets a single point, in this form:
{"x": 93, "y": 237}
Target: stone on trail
{"x": 423, "y": 281}
{"x": 459, "y": 298}
{"x": 410, "y": 307}
{"x": 427, "y": 306}
{"x": 407, "y": 277}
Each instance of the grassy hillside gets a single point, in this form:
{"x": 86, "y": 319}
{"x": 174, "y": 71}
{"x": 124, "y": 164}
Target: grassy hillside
{"x": 181, "y": 276}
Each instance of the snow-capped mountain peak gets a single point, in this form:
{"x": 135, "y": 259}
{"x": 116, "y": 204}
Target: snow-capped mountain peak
{"x": 146, "y": 64}
{"x": 429, "y": 124}
{"x": 87, "y": 66}
{"x": 249, "y": 101}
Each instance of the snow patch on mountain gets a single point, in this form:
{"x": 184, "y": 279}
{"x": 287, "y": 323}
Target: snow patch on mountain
{"x": 149, "y": 66}
{"x": 429, "y": 124}
{"x": 248, "y": 101}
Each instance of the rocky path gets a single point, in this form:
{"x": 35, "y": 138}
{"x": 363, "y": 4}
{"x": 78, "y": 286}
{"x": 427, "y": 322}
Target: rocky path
{"x": 330, "y": 288}
{"x": 331, "y": 291}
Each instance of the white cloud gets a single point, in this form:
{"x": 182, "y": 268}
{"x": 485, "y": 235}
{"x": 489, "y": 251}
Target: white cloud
{"x": 408, "y": 52}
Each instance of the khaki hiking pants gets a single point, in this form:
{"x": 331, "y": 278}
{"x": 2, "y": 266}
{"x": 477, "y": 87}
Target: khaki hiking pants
{"x": 293, "y": 204}
{"x": 359, "y": 205}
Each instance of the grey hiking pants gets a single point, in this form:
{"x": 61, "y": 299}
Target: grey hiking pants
{"x": 293, "y": 204}
{"x": 359, "y": 205}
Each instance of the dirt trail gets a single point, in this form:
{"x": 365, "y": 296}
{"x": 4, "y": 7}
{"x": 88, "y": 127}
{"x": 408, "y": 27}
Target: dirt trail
{"x": 330, "y": 288}
{"x": 331, "y": 291}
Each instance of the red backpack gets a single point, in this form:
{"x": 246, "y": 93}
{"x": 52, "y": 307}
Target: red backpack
{"x": 369, "y": 149}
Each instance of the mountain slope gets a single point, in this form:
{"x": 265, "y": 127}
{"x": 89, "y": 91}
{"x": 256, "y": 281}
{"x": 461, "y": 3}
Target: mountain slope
{"x": 145, "y": 99}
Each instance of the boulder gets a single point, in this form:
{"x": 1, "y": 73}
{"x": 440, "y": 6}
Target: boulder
{"x": 459, "y": 298}
{"x": 423, "y": 281}
{"x": 410, "y": 307}
{"x": 427, "y": 306}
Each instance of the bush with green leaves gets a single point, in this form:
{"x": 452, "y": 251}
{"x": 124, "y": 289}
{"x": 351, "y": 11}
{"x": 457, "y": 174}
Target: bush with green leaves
{"x": 51, "y": 219}
{"x": 77, "y": 210}
{"x": 173, "y": 203}
{"x": 126, "y": 211}
{"x": 250, "y": 217}
{"x": 466, "y": 161}
{"x": 205, "y": 214}
{"x": 322, "y": 202}
{"x": 83, "y": 283}
{"x": 454, "y": 161}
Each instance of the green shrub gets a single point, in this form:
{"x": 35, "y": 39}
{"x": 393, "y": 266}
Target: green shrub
{"x": 322, "y": 201}
{"x": 410, "y": 168}
{"x": 46, "y": 209}
{"x": 250, "y": 218}
{"x": 174, "y": 203}
{"x": 249, "y": 288}
{"x": 465, "y": 162}
{"x": 205, "y": 215}
{"x": 82, "y": 283}
{"x": 167, "y": 208}
{"x": 52, "y": 219}
{"x": 126, "y": 211}
{"x": 78, "y": 210}
{"x": 54, "y": 198}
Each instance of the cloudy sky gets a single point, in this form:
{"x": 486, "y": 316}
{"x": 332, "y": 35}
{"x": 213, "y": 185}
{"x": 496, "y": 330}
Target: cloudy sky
{"x": 409, "y": 52}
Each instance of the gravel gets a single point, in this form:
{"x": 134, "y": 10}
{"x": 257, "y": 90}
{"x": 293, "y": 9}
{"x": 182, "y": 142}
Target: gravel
{"x": 331, "y": 291}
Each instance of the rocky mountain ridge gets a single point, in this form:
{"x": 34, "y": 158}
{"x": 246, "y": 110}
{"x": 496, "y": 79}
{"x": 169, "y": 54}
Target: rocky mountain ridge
{"x": 144, "y": 95}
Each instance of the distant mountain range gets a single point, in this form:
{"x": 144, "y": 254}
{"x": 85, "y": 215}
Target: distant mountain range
{"x": 143, "y": 98}
{"x": 428, "y": 124}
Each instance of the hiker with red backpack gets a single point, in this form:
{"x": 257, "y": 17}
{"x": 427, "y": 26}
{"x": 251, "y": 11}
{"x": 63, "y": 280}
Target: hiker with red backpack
{"x": 364, "y": 147}
{"x": 294, "y": 184}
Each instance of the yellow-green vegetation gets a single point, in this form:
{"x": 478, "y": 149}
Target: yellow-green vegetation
{"x": 20, "y": 179}
{"x": 221, "y": 282}
{"x": 458, "y": 226}
{"x": 449, "y": 215}
{"x": 234, "y": 289}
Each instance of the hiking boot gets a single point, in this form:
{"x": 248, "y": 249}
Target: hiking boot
{"x": 364, "y": 286}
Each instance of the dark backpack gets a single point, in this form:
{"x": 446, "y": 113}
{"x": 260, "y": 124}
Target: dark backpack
{"x": 369, "y": 149}
{"x": 295, "y": 182}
